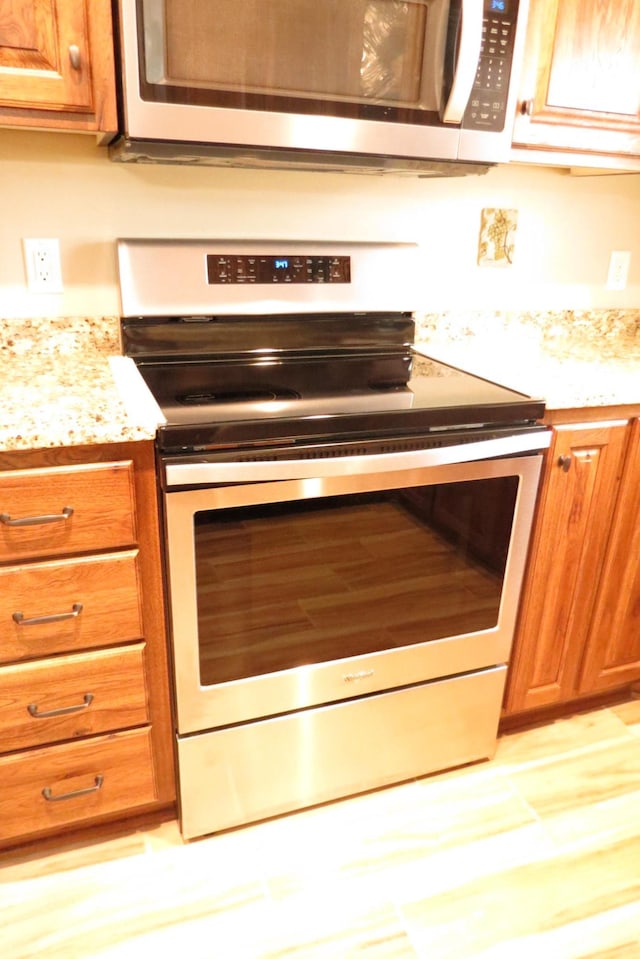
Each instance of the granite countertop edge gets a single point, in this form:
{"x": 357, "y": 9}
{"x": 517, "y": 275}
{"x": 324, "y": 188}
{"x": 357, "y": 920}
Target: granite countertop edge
{"x": 65, "y": 383}
{"x": 571, "y": 360}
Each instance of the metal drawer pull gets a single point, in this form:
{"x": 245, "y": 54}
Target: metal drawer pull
{"x": 74, "y": 56}
{"x": 97, "y": 784}
{"x": 76, "y": 609}
{"x": 35, "y": 712}
{"x": 37, "y": 520}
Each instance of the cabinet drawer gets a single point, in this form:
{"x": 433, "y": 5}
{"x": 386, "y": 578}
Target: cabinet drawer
{"x": 83, "y": 780}
{"x": 71, "y": 696}
{"x": 83, "y": 603}
{"x": 75, "y": 508}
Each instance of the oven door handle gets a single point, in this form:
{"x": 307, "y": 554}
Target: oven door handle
{"x": 203, "y": 472}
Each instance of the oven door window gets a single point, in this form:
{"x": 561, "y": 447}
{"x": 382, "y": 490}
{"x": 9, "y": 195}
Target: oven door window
{"x": 281, "y": 586}
{"x": 291, "y": 55}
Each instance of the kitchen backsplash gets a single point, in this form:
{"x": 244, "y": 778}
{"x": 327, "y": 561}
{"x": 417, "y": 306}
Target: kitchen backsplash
{"x": 571, "y": 329}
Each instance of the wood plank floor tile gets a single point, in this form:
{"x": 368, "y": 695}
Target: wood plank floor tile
{"x": 574, "y": 781}
{"x": 536, "y": 899}
{"x": 594, "y": 825}
{"x": 561, "y": 737}
{"x": 629, "y": 713}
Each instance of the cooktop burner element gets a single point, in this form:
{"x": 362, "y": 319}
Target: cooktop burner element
{"x": 246, "y": 363}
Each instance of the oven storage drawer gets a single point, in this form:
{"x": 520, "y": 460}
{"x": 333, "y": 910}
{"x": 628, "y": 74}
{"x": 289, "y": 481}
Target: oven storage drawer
{"x": 72, "y": 696}
{"x": 66, "y": 509}
{"x": 82, "y": 780}
{"x": 250, "y": 772}
{"x": 67, "y": 605}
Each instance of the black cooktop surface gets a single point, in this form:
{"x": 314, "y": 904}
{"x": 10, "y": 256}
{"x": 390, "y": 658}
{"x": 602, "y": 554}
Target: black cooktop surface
{"x": 271, "y": 381}
{"x": 214, "y": 407}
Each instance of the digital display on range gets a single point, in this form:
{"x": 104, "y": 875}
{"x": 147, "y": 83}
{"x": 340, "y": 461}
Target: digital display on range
{"x": 498, "y": 6}
{"x": 222, "y": 269}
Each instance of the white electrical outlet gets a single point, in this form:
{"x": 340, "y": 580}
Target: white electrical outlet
{"x": 42, "y": 261}
{"x": 618, "y": 269}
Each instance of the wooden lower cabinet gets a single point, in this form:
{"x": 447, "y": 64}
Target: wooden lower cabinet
{"x": 578, "y": 630}
{"x": 44, "y": 790}
{"x": 68, "y": 697}
{"x": 85, "y": 720}
{"x": 46, "y": 597}
{"x": 612, "y": 657}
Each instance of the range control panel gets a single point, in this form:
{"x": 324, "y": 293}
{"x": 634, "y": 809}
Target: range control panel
{"x": 277, "y": 269}
{"x": 488, "y": 102}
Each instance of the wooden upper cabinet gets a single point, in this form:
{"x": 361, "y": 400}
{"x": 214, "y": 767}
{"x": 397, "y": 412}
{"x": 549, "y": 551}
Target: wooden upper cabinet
{"x": 580, "y": 87}
{"x": 57, "y": 65}
{"x": 613, "y": 651}
{"x": 574, "y": 518}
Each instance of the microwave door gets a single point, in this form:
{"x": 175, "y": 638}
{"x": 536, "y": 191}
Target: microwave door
{"x": 352, "y": 76}
{"x": 383, "y": 54}
{"x": 363, "y": 77}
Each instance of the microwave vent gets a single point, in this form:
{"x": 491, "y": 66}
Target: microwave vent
{"x": 127, "y": 150}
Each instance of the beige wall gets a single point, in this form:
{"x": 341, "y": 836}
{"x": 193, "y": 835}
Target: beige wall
{"x": 64, "y": 186}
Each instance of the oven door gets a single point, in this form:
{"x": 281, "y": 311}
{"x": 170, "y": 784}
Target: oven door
{"x": 375, "y": 573}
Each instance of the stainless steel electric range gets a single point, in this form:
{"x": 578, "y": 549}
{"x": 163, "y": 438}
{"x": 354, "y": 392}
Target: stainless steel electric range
{"x": 346, "y": 522}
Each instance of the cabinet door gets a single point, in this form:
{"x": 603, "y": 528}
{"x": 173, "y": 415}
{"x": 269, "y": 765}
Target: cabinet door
{"x": 613, "y": 651}
{"x": 53, "y": 71}
{"x": 38, "y": 60}
{"x": 575, "y": 513}
{"x": 580, "y": 87}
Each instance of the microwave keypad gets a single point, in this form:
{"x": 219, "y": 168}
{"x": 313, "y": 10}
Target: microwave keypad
{"x": 488, "y": 101}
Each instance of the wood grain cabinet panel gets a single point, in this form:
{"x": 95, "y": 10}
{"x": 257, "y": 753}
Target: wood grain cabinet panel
{"x": 580, "y": 86}
{"x": 76, "y": 509}
{"x": 575, "y": 515}
{"x": 71, "y": 696}
{"x": 43, "y": 790}
{"x": 38, "y": 40}
{"x": 85, "y": 720}
{"x": 68, "y": 605}
{"x": 612, "y": 655}
{"x": 57, "y": 65}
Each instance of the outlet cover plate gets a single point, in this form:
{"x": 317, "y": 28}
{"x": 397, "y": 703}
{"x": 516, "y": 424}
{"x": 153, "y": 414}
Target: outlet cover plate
{"x": 42, "y": 263}
{"x": 618, "y": 269}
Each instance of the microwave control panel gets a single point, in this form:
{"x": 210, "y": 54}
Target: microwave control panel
{"x": 277, "y": 269}
{"x": 487, "y": 105}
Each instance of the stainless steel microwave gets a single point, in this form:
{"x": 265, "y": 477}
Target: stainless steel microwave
{"x": 418, "y": 86}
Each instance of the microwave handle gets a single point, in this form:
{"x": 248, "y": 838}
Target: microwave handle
{"x": 469, "y": 46}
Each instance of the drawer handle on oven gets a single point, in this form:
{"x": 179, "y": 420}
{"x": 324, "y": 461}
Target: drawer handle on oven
{"x": 76, "y": 609}
{"x": 34, "y": 711}
{"x": 37, "y": 520}
{"x": 97, "y": 784}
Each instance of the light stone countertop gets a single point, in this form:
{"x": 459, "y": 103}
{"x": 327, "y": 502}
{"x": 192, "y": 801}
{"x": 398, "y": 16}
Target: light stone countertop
{"x": 64, "y": 382}
{"x": 571, "y": 360}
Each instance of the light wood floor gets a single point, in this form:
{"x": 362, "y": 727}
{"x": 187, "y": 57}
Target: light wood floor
{"x": 535, "y": 854}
